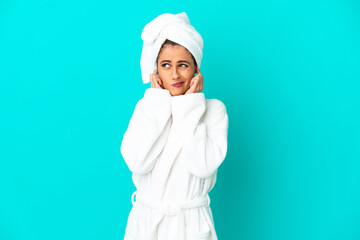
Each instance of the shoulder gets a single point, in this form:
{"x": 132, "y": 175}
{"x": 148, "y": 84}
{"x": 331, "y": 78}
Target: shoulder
{"x": 215, "y": 105}
{"x": 215, "y": 111}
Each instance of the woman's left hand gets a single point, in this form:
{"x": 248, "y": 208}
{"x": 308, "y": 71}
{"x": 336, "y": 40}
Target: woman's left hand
{"x": 196, "y": 83}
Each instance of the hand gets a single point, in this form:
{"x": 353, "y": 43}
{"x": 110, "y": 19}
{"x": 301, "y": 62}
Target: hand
{"x": 155, "y": 80}
{"x": 196, "y": 84}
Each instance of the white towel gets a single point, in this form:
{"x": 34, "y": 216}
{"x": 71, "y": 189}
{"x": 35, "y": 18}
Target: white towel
{"x": 175, "y": 27}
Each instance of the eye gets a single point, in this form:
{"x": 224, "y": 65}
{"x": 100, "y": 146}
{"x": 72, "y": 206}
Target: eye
{"x": 164, "y": 64}
{"x": 183, "y": 64}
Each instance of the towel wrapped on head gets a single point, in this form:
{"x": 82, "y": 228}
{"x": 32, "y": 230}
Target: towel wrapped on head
{"x": 175, "y": 27}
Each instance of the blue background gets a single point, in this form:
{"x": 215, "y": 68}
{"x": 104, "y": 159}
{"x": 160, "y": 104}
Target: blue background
{"x": 287, "y": 71}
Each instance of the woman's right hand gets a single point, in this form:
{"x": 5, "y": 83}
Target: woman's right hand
{"x": 155, "y": 80}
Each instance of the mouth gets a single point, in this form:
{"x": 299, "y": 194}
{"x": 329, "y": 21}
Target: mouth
{"x": 179, "y": 84}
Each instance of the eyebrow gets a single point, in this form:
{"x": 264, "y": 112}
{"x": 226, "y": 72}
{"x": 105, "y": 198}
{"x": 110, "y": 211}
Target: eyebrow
{"x": 178, "y": 61}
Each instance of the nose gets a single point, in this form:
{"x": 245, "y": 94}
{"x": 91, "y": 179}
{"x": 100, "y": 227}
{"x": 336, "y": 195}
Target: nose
{"x": 175, "y": 74}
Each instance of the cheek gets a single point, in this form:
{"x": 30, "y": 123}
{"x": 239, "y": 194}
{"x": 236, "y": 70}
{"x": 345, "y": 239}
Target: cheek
{"x": 187, "y": 75}
{"x": 187, "y": 84}
{"x": 189, "y": 78}
{"x": 163, "y": 77}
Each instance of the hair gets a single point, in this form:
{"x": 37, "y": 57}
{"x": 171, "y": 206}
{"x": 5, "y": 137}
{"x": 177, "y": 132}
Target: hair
{"x": 171, "y": 43}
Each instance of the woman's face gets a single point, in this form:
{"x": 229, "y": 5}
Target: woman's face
{"x": 176, "y": 65}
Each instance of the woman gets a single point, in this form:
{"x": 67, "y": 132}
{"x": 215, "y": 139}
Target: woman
{"x": 176, "y": 139}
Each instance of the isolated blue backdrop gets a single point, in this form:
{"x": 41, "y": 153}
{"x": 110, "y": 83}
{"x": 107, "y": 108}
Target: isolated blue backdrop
{"x": 287, "y": 71}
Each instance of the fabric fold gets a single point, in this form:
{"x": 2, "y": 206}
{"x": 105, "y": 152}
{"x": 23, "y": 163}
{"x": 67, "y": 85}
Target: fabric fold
{"x": 203, "y": 139}
{"x": 146, "y": 135}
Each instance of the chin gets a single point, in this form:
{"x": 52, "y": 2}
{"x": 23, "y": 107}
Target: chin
{"x": 176, "y": 93}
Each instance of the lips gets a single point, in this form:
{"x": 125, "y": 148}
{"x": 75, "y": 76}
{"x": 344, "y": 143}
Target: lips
{"x": 179, "y": 84}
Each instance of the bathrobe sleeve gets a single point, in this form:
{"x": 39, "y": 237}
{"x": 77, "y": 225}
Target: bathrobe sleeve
{"x": 203, "y": 132}
{"x": 147, "y": 131}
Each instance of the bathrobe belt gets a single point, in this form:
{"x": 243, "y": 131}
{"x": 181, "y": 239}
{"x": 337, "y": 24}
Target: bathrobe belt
{"x": 173, "y": 210}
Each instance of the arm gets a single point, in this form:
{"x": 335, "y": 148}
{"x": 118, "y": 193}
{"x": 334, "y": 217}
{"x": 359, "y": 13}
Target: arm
{"x": 203, "y": 132}
{"x": 146, "y": 134}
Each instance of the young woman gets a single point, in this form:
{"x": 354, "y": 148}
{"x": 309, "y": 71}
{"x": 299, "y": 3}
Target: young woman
{"x": 176, "y": 139}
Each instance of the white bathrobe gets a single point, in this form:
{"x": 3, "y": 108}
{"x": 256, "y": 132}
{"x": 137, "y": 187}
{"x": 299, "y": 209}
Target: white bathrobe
{"x": 174, "y": 146}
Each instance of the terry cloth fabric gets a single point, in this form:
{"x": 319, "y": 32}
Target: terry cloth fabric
{"x": 175, "y": 27}
{"x": 174, "y": 146}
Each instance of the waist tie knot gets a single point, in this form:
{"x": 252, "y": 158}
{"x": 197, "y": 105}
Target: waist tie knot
{"x": 169, "y": 211}
{"x": 173, "y": 210}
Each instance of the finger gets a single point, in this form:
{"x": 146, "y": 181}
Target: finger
{"x": 198, "y": 71}
{"x": 155, "y": 82}
{"x": 197, "y": 81}
{"x": 155, "y": 75}
{"x": 151, "y": 81}
{"x": 200, "y": 76}
{"x": 159, "y": 80}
